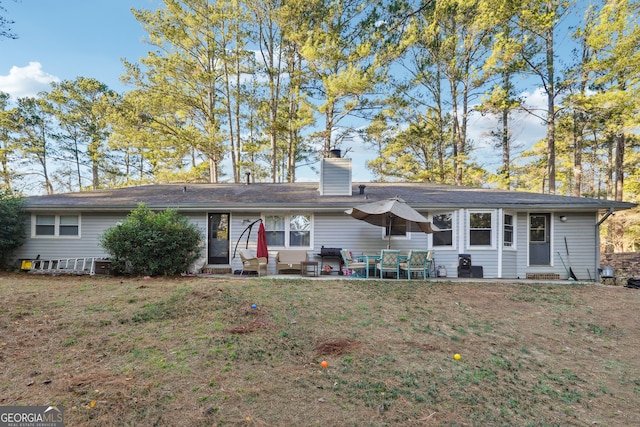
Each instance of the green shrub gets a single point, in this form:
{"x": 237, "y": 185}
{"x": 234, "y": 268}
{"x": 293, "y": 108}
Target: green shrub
{"x": 12, "y": 224}
{"x": 151, "y": 244}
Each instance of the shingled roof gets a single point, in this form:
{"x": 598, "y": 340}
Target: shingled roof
{"x": 256, "y": 197}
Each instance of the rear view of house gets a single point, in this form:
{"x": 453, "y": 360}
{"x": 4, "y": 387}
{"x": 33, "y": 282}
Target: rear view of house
{"x": 504, "y": 234}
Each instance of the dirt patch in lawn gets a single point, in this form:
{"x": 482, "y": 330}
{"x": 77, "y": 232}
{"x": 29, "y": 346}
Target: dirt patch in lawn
{"x": 246, "y": 351}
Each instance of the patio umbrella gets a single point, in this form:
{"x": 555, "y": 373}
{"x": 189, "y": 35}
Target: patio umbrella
{"x": 262, "y": 250}
{"x": 392, "y": 213}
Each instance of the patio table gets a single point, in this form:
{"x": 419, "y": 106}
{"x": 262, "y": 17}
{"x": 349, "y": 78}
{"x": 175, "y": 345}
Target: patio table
{"x": 366, "y": 258}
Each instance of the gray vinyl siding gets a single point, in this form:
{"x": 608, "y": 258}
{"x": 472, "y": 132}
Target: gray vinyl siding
{"x": 200, "y": 220}
{"x": 509, "y": 264}
{"x": 92, "y": 226}
{"x": 522, "y": 239}
{"x": 343, "y": 231}
{"x": 580, "y": 231}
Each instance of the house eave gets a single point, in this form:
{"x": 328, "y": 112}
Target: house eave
{"x": 318, "y": 208}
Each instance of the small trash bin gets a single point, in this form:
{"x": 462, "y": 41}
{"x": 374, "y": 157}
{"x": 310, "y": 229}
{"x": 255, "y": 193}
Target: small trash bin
{"x": 464, "y": 265}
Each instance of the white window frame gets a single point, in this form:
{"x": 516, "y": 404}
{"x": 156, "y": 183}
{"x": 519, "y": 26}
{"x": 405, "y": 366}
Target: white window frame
{"x": 287, "y": 229}
{"x": 493, "y": 229}
{"x": 513, "y": 230}
{"x": 453, "y": 228}
{"x": 57, "y": 224}
{"x": 385, "y": 236}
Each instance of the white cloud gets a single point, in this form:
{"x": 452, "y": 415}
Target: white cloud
{"x": 526, "y": 129}
{"x": 26, "y": 81}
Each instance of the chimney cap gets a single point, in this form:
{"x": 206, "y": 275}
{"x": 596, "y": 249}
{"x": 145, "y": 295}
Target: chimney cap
{"x": 336, "y": 152}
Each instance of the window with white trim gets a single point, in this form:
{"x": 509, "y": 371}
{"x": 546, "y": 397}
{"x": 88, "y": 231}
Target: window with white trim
{"x": 508, "y": 230}
{"x": 300, "y": 231}
{"x": 480, "y": 231}
{"x": 444, "y": 222}
{"x": 397, "y": 231}
{"x": 56, "y": 225}
{"x": 288, "y": 231}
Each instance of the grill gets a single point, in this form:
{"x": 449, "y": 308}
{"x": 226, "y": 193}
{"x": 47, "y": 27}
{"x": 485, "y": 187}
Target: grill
{"x": 330, "y": 252}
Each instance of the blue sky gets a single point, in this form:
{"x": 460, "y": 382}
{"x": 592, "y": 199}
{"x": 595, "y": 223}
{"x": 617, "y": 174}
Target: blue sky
{"x": 65, "y": 39}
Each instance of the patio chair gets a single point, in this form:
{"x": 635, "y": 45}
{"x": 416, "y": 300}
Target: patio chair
{"x": 389, "y": 262}
{"x": 350, "y": 264}
{"x": 417, "y": 261}
{"x": 250, "y": 262}
{"x": 431, "y": 264}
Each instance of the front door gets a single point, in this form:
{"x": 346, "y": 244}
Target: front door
{"x": 218, "y": 238}
{"x": 539, "y": 242}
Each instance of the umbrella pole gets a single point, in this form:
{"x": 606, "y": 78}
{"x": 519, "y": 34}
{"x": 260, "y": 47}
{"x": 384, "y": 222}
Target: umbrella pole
{"x": 248, "y": 235}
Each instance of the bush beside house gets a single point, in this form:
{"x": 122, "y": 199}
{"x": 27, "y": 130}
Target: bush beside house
{"x": 151, "y": 244}
{"x": 12, "y": 225}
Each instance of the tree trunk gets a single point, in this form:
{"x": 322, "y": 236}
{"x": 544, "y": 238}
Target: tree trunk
{"x": 551, "y": 114}
{"x": 619, "y": 165}
{"x": 506, "y": 149}
{"x": 579, "y": 121}
{"x": 328, "y": 128}
{"x": 578, "y": 144}
{"x": 238, "y": 137}
{"x": 230, "y": 121}
{"x": 463, "y": 128}
{"x": 442, "y": 142}
{"x": 213, "y": 171}
{"x": 455, "y": 135}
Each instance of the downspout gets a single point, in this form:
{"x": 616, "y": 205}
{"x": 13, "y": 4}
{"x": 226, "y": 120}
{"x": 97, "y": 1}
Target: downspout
{"x": 598, "y": 224}
{"x": 500, "y": 239}
{"x": 604, "y": 218}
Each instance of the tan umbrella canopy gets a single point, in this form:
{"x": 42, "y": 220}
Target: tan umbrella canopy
{"x": 394, "y": 214}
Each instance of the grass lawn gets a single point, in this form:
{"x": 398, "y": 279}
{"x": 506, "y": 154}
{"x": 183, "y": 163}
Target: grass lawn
{"x": 196, "y": 352}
